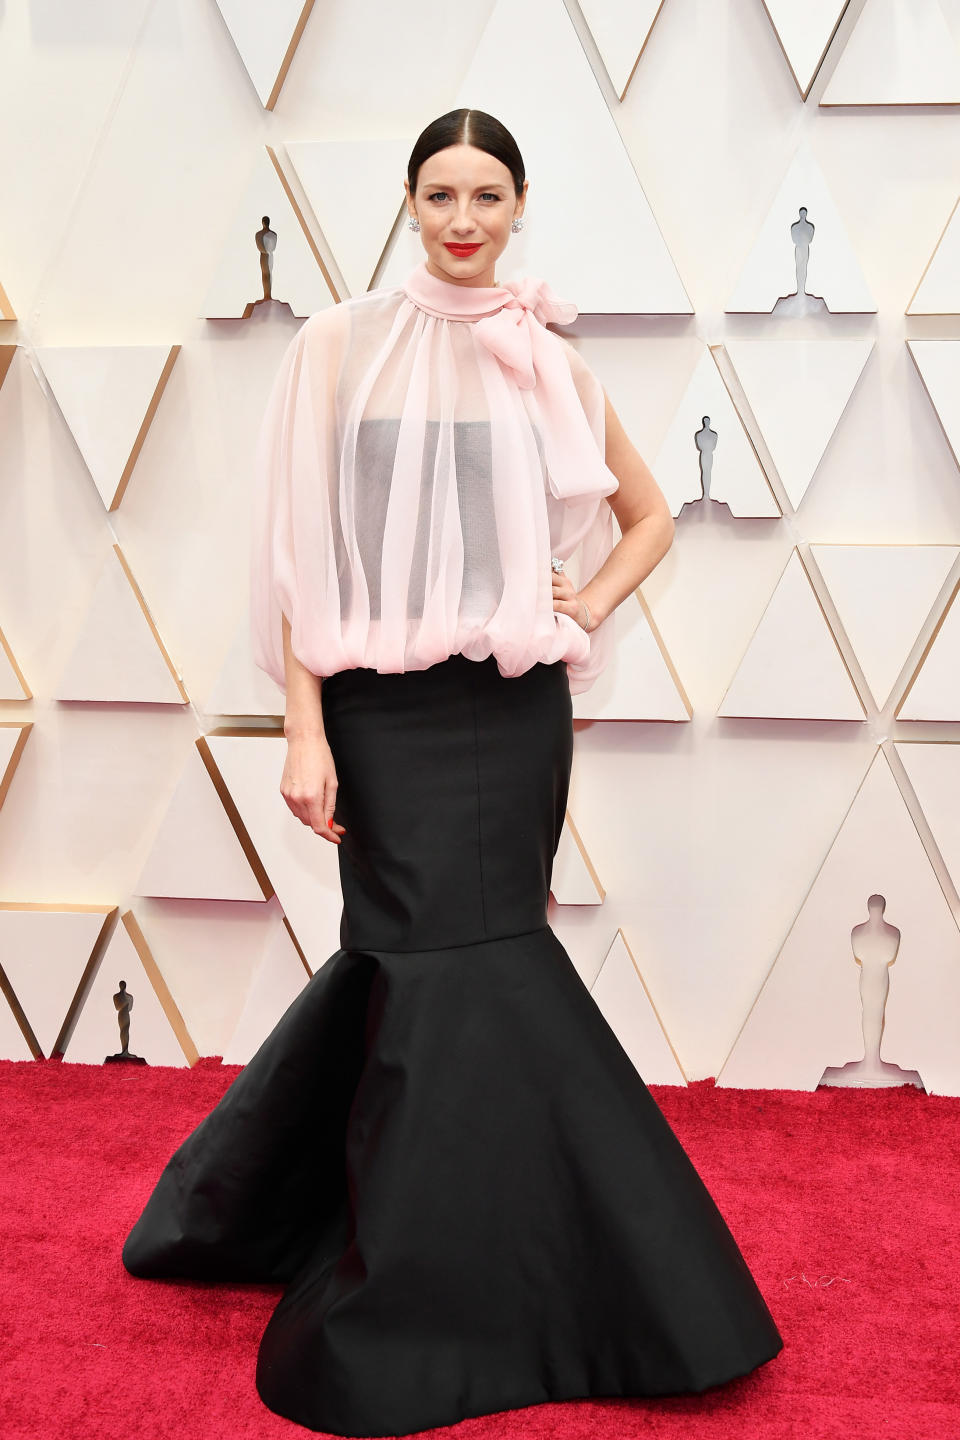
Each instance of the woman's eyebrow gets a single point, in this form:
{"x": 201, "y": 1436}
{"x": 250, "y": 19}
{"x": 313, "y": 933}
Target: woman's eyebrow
{"x": 445, "y": 185}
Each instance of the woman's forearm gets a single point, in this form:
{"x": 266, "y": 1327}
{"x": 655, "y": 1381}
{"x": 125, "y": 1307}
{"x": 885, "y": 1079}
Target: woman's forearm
{"x": 643, "y": 515}
{"x": 639, "y": 550}
{"x": 304, "y": 712}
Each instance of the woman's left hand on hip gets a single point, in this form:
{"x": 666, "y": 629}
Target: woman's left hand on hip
{"x": 566, "y": 600}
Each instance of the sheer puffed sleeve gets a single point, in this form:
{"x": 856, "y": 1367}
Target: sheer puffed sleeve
{"x": 586, "y": 529}
{"x": 292, "y": 564}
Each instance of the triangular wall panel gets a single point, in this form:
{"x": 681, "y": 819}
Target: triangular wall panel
{"x": 13, "y": 738}
{"x": 938, "y": 292}
{"x": 302, "y": 865}
{"x": 241, "y": 687}
{"x": 901, "y": 52}
{"x": 13, "y": 1043}
{"x": 266, "y": 36}
{"x": 7, "y": 354}
{"x": 808, "y": 1015}
{"x": 277, "y": 982}
{"x": 118, "y": 654}
{"x": 574, "y": 881}
{"x": 299, "y": 277}
{"x": 625, "y": 1003}
{"x": 108, "y": 395}
{"x": 355, "y": 189}
{"x": 45, "y": 951}
{"x": 201, "y": 850}
{"x": 805, "y": 32}
{"x": 934, "y": 689}
{"x": 6, "y": 309}
{"x": 157, "y": 1030}
{"x": 938, "y": 362}
{"x": 707, "y": 435}
{"x": 933, "y": 769}
{"x": 883, "y": 595}
{"x": 13, "y": 684}
{"x": 829, "y": 273}
{"x": 573, "y": 137}
{"x": 792, "y": 668}
{"x": 798, "y": 391}
{"x": 640, "y": 681}
{"x": 620, "y": 29}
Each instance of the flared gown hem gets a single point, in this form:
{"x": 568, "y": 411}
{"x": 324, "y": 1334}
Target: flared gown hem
{"x": 470, "y": 1195}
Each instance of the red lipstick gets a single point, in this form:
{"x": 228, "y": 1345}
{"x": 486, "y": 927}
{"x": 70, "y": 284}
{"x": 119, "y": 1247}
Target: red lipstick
{"x": 462, "y": 251}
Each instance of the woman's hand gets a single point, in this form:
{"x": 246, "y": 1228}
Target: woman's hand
{"x": 309, "y": 784}
{"x": 568, "y": 602}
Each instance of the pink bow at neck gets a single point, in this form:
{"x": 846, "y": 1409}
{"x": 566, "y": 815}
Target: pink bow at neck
{"x": 509, "y": 320}
{"x": 513, "y": 333}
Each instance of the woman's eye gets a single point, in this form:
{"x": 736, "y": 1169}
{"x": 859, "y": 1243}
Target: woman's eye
{"x": 489, "y": 196}
{"x": 438, "y": 195}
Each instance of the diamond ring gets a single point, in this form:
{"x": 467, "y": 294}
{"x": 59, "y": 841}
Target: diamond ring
{"x": 557, "y": 564}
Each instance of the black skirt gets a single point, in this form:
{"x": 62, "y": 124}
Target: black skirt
{"x": 442, "y": 1150}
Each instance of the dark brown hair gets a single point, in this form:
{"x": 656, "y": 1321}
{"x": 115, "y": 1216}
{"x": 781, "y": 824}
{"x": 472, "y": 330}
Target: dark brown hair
{"x": 468, "y": 127}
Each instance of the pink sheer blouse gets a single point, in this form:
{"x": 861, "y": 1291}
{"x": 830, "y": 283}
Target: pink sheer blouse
{"x": 424, "y": 451}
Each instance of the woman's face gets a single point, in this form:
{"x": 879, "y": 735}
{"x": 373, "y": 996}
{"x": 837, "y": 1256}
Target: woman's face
{"x": 464, "y": 199}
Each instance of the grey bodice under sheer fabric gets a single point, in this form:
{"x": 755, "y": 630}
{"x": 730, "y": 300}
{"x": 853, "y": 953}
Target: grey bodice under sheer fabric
{"x": 376, "y": 451}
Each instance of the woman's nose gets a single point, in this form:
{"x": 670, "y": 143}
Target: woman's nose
{"x": 463, "y": 222}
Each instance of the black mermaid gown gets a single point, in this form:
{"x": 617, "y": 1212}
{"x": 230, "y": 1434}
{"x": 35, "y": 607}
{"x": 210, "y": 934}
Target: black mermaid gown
{"x": 442, "y": 1150}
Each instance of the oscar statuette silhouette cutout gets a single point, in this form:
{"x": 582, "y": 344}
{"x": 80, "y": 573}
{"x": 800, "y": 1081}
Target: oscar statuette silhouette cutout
{"x": 706, "y": 440}
{"x": 801, "y": 301}
{"x": 266, "y": 242}
{"x": 875, "y": 945}
{"x": 123, "y": 1002}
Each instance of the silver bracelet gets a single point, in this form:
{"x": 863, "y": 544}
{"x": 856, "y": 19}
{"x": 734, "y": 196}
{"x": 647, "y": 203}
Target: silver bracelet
{"x": 587, "y": 608}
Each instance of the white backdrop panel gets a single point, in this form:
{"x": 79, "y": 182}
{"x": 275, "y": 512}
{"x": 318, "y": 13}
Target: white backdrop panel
{"x": 833, "y": 271}
{"x": 625, "y": 1003}
{"x": 44, "y": 954}
{"x": 934, "y": 693}
{"x": 901, "y": 52}
{"x": 883, "y": 595}
{"x": 792, "y": 668}
{"x": 620, "y": 29}
{"x": 938, "y": 292}
{"x": 805, "y": 32}
{"x": 105, "y": 393}
{"x": 808, "y": 1014}
{"x": 735, "y": 474}
{"x": 355, "y": 188}
{"x": 938, "y": 362}
{"x": 798, "y": 391}
{"x": 302, "y": 865}
{"x": 296, "y": 278}
{"x": 264, "y": 36}
{"x": 934, "y": 772}
{"x": 196, "y": 853}
{"x": 277, "y": 982}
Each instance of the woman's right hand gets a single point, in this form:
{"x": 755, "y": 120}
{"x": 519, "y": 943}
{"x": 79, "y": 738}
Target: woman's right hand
{"x": 309, "y": 785}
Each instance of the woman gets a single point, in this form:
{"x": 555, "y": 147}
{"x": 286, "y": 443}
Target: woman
{"x": 442, "y": 1149}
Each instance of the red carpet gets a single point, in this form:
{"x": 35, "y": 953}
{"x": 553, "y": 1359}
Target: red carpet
{"x": 845, "y": 1203}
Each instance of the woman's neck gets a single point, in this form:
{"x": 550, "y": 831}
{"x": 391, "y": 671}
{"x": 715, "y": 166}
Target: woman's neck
{"x": 484, "y": 281}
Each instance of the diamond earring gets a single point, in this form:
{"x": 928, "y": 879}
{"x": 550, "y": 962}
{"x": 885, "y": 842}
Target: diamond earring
{"x": 516, "y": 224}
{"x": 413, "y": 222}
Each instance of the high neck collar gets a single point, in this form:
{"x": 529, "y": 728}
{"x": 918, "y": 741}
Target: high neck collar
{"x": 508, "y": 321}
{"x": 472, "y": 302}
{"x": 453, "y": 302}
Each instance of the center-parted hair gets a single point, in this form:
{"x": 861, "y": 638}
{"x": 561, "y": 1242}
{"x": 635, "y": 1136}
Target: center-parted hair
{"x": 468, "y": 127}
